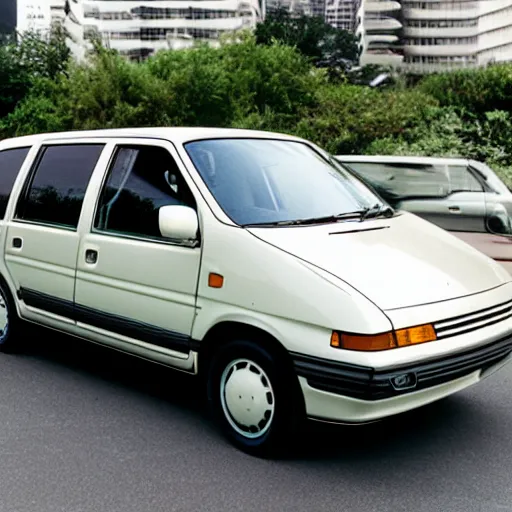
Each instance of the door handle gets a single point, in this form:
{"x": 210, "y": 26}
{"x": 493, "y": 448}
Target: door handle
{"x": 454, "y": 209}
{"x": 17, "y": 242}
{"x": 91, "y": 256}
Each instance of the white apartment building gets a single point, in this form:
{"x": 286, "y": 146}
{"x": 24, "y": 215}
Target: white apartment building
{"x": 298, "y": 7}
{"x": 138, "y": 28}
{"x": 379, "y": 30}
{"x": 341, "y": 13}
{"x": 33, "y": 16}
{"x": 494, "y": 32}
{"x": 317, "y": 8}
{"x": 435, "y": 35}
{"x": 38, "y": 15}
{"x": 441, "y": 34}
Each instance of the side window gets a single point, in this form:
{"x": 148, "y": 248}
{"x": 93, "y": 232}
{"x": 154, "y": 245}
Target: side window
{"x": 462, "y": 180}
{"x": 401, "y": 181}
{"x": 140, "y": 181}
{"x": 56, "y": 189}
{"x": 11, "y": 161}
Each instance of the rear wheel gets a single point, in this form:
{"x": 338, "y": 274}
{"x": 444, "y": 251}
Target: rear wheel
{"x": 254, "y": 397}
{"x": 9, "y": 322}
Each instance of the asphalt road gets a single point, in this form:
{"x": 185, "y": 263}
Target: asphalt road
{"x": 84, "y": 429}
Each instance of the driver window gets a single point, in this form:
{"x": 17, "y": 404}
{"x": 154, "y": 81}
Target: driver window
{"x": 140, "y": 181}
{"x": 396, "y": 181}
{"x": 462, "y": 180}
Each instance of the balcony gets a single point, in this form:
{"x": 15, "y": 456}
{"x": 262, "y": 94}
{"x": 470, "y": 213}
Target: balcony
{"x": 381, "y": 58}
{"x": 380, "y": 40}
{"x": 490, "y": 7}
{"x": 449, "y": 50}
{"x": 441, "y": 14}
{"x": 435, "y": 67}
{"x": 231, "y": 23}
{"x": 494, "y": 40}
{"x": 128, "y": 5}
{"x": 490, "y": 25}
{"x": 382, "y": 6}
{"x": 503, "y": 54}
{"x": 441, "y": 32}
{"x": 381, "y": 25}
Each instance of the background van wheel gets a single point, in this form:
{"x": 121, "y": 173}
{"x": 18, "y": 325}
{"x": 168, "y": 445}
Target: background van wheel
{"x": 255, "y": 398}
{"x": 9, "y": 321}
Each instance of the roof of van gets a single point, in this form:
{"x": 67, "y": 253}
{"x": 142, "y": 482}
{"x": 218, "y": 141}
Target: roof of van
{"x": 402, "y": 159}
{"x": 179, "y": 135}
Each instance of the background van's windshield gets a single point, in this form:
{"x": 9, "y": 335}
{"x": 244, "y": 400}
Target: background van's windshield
{"x": 258, "y": 181}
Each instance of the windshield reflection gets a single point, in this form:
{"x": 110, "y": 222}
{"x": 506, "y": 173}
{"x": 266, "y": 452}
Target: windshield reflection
{"x": 272, "y": 182}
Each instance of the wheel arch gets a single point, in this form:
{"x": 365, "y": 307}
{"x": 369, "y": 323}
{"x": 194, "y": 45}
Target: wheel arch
{"x": 5, "y": 283}
{"x": 230, "y": 330}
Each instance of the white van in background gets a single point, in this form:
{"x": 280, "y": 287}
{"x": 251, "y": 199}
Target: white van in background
{"x": 464, "y": 197}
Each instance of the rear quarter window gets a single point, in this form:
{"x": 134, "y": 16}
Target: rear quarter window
{"x": 11, "y": 161}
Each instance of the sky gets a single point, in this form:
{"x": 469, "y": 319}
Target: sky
{"x": 7, "y": 15}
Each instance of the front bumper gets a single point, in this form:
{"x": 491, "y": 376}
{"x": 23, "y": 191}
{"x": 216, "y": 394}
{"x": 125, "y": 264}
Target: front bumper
{"x": 348, "y": 393}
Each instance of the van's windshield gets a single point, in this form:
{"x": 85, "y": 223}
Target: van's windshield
{"x": 269, "y": 182}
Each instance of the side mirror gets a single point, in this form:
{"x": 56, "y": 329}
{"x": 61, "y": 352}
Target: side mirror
{"x": 178, "y": 222}
{"x": 498, "y": 221}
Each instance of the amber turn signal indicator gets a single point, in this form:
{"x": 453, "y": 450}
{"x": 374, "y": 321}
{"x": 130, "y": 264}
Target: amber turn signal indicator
{"x": 215, "y": 280}
{"x": 335, "y": 340}
{"x": 384, "y": 341}
{"x": 368, "y": 343}
{"x": 415, "y": 335}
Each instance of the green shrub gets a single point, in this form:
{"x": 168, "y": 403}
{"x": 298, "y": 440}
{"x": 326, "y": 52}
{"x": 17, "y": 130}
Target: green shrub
{"x": 200, "y": 86}
{"x": 348, "y": 118}
{"x": 268, "y": 86}
{"x": 475, "y": 91}
{"x": 23, "y": 64}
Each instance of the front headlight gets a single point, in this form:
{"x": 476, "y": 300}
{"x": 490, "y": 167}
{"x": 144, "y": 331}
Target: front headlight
{"x": 384, "y": 341}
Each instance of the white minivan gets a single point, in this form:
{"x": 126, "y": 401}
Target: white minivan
{"x": 253, "y": 260}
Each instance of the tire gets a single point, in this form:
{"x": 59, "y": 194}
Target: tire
{"x": 255, "y": 398}
{"x": 9, "y": 320}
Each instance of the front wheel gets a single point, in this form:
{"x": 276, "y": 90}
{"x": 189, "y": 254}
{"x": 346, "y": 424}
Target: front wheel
{"x": 254, "y": 397}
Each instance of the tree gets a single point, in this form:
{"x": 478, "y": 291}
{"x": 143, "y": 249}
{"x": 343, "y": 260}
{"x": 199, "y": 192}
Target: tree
{"x": 14, "y": 79}
{"x": 44, "y": 56}
{"x": 27, "y": 60}
{"x": 325, "y": 45}
{"x": 201, "y": 86}
{"x": 473, "y": 90}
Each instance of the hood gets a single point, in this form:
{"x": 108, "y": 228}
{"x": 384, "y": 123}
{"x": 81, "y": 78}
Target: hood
{"x": 398, "y": 262}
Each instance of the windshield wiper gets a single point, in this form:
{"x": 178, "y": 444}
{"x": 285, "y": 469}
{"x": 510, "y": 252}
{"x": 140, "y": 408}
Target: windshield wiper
{"x": 377, "y": 210}
{"x": 314, "y": 220}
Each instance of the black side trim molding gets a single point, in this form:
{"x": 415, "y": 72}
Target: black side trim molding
{"x": 120, "y": 325}
{"x": 368, "y": 383}
{"x": 48, "y": 303}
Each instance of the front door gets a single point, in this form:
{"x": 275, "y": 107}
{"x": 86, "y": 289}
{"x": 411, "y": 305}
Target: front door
{"x": 462, "y": 205}
{"x": 42, "y": 239}
{"x": 133, "y": 284}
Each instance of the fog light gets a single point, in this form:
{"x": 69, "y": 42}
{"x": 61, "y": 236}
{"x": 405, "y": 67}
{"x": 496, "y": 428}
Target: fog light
{"x": 404, "y": 381}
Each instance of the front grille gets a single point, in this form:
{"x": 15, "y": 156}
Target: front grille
{"x": 371, "y": 384}
{"x": 473, "y": 321}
